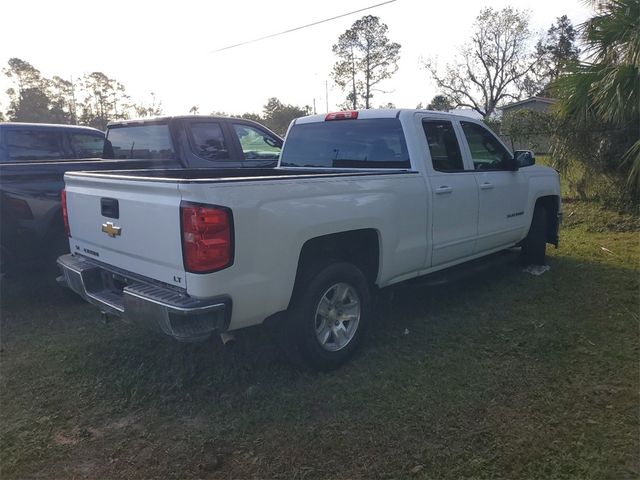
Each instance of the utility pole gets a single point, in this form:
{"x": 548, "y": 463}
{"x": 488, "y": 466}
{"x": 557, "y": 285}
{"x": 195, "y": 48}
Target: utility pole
{"x": 326, "y": 94}
{"x": 73, "y": 109}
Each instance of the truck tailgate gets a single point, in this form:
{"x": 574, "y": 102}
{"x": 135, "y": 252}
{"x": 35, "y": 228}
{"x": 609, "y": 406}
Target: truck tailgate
{"x": 128, "y": 224}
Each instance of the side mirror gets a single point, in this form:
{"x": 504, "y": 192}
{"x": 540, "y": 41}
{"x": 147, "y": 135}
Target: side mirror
{"x": 272, "y": 142}
{"x": 512, "y": 164}
{"x": 524, "y": 158}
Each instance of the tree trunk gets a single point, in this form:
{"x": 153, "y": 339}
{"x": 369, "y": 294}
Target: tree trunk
{"x": 353, "y": 80}
{"x": 367, "y": 75}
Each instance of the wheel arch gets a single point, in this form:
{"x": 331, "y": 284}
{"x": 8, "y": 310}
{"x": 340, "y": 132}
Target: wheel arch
{"x": 360, "y": 247}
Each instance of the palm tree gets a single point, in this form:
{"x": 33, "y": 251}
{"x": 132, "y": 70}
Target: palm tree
{"x": 602, "y": 94}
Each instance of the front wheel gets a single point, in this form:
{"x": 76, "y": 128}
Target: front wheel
{"x": 329, "y": 314}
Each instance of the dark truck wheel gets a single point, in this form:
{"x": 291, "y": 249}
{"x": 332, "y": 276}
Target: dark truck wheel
{"x": 534, "y": 245}
{"x": 329, "y": 313}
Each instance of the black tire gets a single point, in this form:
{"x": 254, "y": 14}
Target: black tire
{"x": 534, "y": 246}
{"x": 303, "y": 318}
{"x": 5, "y": 261}
{"x": 57, "y": 245}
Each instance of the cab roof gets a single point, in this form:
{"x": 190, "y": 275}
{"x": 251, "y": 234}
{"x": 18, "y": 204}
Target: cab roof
{"x": 163, "y": 119}
{"x": 47, "y": 126}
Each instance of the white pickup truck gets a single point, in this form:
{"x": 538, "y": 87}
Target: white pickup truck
{"x": 359, "y": 201}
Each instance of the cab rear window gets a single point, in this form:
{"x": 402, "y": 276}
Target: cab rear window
{"x": 361, "y": 143}
{"x": 142, "y": 142}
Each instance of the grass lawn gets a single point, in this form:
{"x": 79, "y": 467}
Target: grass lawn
{"x": 498, "y": 375}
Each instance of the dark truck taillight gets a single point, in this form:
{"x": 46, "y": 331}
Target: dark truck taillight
{"x": 207, "y": 237}
{"x": 20, "y": 208}
{"x": 65, "y": 212}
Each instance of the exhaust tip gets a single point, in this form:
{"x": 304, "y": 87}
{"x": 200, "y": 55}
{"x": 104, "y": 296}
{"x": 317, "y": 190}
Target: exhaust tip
{"x": 227, "y": 338}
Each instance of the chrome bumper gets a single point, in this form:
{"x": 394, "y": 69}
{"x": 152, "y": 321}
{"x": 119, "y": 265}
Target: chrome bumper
{"x": 142, "y": 302}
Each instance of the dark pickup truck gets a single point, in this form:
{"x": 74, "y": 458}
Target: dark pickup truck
{"x": 34, "y": 158}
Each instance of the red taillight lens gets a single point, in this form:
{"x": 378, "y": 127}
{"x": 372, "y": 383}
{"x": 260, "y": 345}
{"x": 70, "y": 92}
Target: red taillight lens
{"x": 348, "y": 115}
{"x": 207, "y": 237}
{"x": 65, "y": 213}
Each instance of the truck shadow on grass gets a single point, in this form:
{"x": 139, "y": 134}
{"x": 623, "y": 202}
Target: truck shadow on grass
{"x": 135, "y": 357}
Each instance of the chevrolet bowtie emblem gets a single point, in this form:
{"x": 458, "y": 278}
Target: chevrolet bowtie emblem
{"x": 110, "y": 229}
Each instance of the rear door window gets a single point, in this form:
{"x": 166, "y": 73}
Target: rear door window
{"x": 443, "y": 146}
{"x": 362, "y": 143}
{"x": 86, "y": 145}
{"x": 208, "y": 141}
{"x": 257, "y": 144}
{"x": 33, "y": 145}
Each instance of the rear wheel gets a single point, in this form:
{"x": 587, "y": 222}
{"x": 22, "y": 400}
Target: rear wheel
{"x": 329, "y": 313}
{"x": 534, "y": 245}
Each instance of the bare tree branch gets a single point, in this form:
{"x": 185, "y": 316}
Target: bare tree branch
{"x": 494, "y": 66}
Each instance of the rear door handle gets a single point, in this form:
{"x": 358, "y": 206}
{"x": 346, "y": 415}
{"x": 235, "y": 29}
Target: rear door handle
{"x": 444, "y": 189}
{"x": 486, "y": 186}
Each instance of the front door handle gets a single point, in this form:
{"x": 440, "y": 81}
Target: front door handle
{"x": 444, "y": 189}
{"x": 486, "y": 186}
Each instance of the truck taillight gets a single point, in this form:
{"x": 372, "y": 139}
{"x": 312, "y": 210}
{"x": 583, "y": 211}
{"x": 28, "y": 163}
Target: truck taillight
{"x": 207, "y": 237}
{"x": 65, "y": 212}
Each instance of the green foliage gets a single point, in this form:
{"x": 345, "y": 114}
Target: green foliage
{"x": 105, "y": 99}
{"x": 150, "y": 109}
{"x": 495, "y": 124}
{"x": 252, "y": 116}
{"x": 94, "y": 100}
{"x": 28, "y": 99}
{"x": 277, "y": 116}
{"x": 62, "y": 101}
{"x": 495, "y": 66}
{"x": 599, "y": 109}
{"x": 557, "y": 51}
{"x": 388, "y": 105}
{"x": 440, "y": 103}
{"x": 528, "y": 129}
{"x": 366, "y": 57}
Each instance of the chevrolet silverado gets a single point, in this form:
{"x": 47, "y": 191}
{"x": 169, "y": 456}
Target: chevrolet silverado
{"x": 359, "y": 201}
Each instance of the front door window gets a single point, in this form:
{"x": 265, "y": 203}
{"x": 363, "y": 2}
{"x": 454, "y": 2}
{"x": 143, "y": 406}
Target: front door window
{"x": 486, "y": 151}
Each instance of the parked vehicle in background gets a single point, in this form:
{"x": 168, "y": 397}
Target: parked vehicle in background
{"x": 34, "y": 158}
{"x": 359, "y": 201}
{"x": 29, "y": 142}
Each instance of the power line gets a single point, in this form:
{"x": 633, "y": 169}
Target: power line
{"x": 303, "y": 26}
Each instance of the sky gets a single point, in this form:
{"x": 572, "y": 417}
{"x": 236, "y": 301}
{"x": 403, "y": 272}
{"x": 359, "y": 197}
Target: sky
{"x": 169, "y": 48}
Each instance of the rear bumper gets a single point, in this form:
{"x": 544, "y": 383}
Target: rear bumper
{"x": 143, "y": 302}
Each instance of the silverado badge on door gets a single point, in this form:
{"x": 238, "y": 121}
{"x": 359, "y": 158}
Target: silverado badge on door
{"x": 110, "y": 229}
